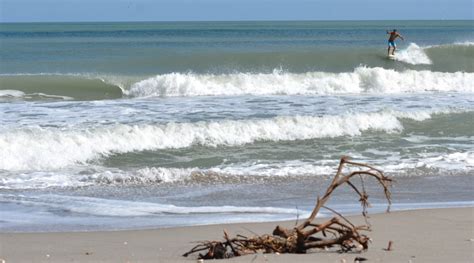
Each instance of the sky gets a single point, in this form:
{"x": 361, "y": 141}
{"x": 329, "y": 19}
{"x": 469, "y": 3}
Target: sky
{"x": 234, "y": 10}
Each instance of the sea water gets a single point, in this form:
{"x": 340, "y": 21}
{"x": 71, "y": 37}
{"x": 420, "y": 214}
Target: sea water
{"x": 134, "y": 125}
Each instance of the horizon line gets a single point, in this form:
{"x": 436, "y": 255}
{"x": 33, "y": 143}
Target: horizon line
{"x": 206, "y": 21}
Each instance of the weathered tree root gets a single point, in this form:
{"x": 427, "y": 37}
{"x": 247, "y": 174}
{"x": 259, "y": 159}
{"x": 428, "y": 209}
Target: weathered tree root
{"x": 336, "y": 232}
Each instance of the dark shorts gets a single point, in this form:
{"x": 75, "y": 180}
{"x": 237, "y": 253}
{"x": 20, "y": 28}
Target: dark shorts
{"x": 391, "y": 44}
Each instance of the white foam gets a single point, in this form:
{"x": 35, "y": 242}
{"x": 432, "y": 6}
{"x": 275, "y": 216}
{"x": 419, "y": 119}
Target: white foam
{"x": 466, "y": 43}
{"x": 389, "y": 162}
{"x": 11, "y": 93}
{"x": 151, "y": 175}
{"x": 75, "y": 177}
{"x": 414, "y": 55}
{"x": 287, "y": 168}
{"x": 48, "y": 96}
{"x": 361, "y": 80}
{"x": 51, "y": 148}
{"x": 423, "y": 115}
{"x": 158, "y": 175}
{"x": 20, "y": 94}
{"x": 456, "y": 160}
{"x": 41, "y": 180}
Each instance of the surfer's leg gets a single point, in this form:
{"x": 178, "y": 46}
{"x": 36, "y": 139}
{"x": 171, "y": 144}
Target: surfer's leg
{"x": 390, "y": 45}
{"x": 394, "y": 46}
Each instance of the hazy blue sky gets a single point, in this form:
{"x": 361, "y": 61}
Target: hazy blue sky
{"x": 165, "y": 10}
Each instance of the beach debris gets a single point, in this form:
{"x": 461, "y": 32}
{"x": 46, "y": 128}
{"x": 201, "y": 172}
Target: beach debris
{"x": 359, "y": 259}
{"x": 337, "y": 232}
{"x": 389, "y": 246}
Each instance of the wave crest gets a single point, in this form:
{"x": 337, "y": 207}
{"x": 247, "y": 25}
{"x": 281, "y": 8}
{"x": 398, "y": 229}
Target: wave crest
{"x": 414, "y": 55}
{"x": 361, "y": 80}
{"x": 51, "y": 148}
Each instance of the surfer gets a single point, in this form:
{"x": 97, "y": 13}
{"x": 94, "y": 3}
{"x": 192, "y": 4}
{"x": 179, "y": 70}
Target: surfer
{"x": 391, "y": 41}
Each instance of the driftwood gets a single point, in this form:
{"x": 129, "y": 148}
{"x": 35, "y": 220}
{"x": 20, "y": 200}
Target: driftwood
{"x": 337, "y": 232}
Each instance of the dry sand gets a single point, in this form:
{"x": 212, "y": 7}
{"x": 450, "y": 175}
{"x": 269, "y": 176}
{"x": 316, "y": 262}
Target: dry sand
{"x": 437, "y": 235}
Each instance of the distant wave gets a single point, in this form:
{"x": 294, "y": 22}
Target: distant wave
{"x": 17, "y": 94}
{"x": 464, "y": 43}
{"x": 453, "y": 45}
{"x": 361, "y": 80}
{"x": 58, "y": 86}
{"x": 52, "y": 148}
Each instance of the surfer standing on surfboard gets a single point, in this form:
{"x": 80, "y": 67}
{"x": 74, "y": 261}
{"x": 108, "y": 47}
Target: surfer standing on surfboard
{"x": 391, "y": 41}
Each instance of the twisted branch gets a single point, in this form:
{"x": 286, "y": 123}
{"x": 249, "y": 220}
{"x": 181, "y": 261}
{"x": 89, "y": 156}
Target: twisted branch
{"x": 302, "y": 237}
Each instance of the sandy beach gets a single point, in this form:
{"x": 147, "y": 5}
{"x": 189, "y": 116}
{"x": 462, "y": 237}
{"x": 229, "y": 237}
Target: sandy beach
{"x": 435, "y": 235}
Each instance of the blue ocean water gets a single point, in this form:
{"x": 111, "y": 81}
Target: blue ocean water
{"x": 133, "y": 125}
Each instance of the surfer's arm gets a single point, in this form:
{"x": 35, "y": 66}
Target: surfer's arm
{"x": 401, "y": 37}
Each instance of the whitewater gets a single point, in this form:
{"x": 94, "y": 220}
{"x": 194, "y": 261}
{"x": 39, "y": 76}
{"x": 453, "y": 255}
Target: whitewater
{"x": 151, "y": 124}
{"x": 61, "y": 147}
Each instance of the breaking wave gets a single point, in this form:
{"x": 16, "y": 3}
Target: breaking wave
{"x": 51, "y": 148}
{"x": 361, "y": 80}
{"x": 414, "y": 55}
{"x": 456, "y": 163}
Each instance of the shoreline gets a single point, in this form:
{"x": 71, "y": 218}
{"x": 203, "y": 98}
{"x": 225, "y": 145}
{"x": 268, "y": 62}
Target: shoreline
{"x": 395, "y": 208}
{"x": 428, "y": 235}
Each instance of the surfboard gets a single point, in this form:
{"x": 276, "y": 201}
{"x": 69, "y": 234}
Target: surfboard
{"x": 392, "y": 57}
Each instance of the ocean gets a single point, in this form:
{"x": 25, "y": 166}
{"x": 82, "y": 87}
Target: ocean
{"x": 107, "y": 126}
